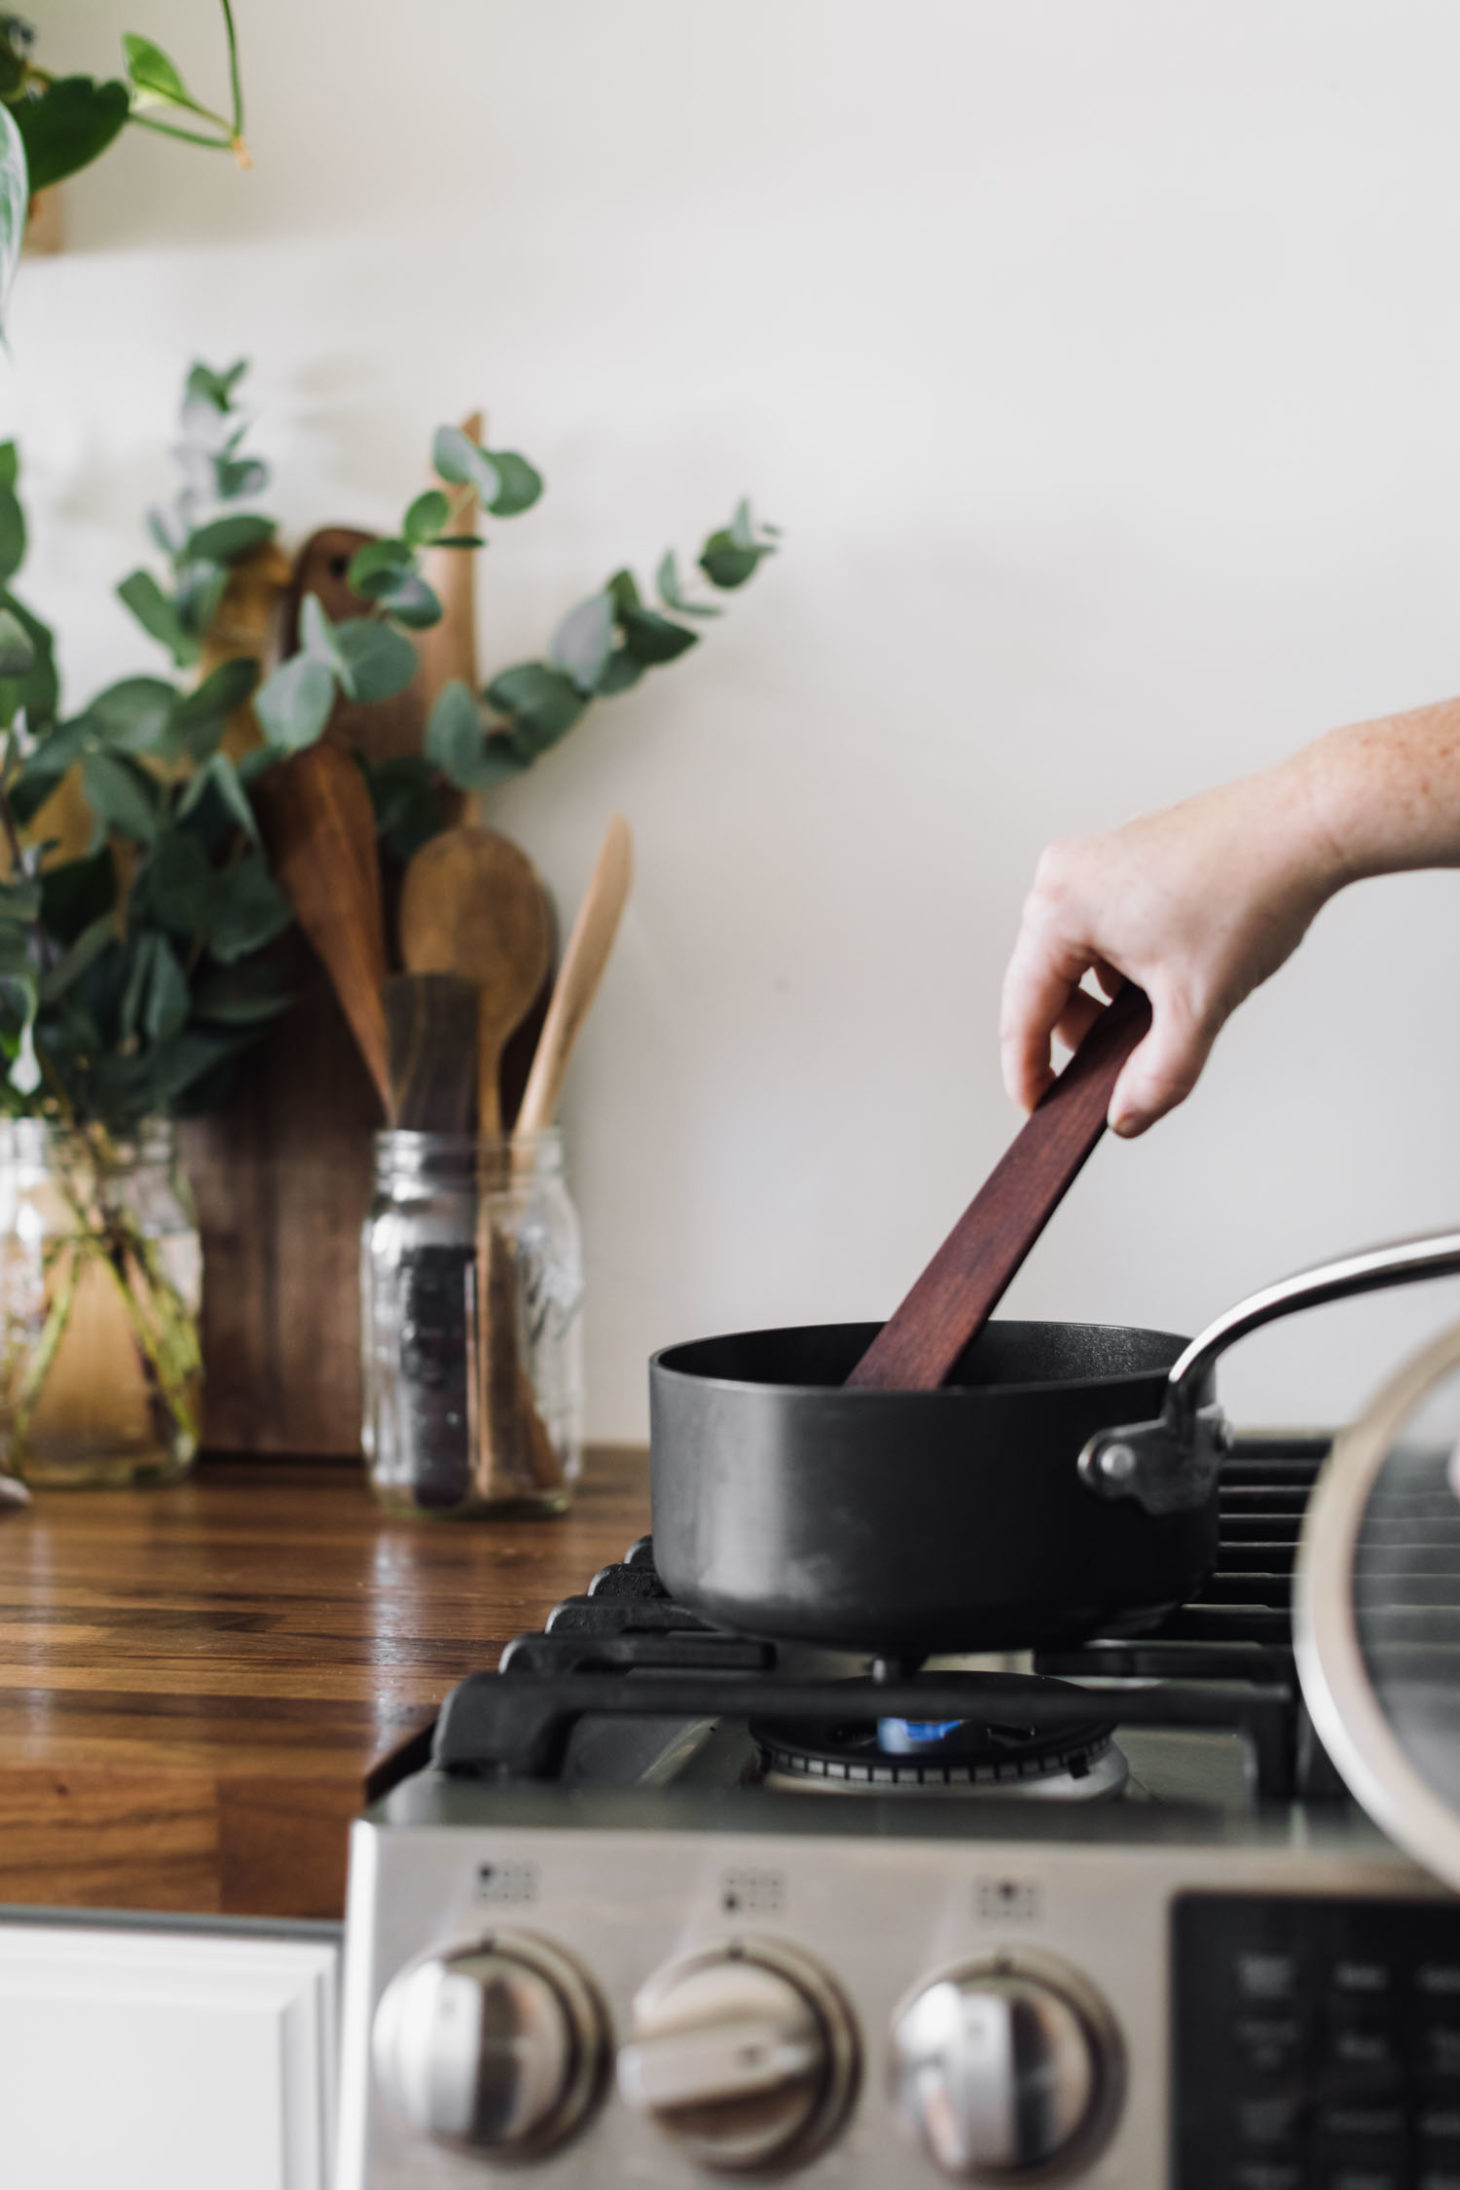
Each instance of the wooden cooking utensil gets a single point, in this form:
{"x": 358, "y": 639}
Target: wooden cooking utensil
{"x": 317, "y": 819}
{"x": 916, "y": 1349}
{"x": 578, "y": 977}
{"x": 472, "y": 903}
{"x": 431, "y": 1045}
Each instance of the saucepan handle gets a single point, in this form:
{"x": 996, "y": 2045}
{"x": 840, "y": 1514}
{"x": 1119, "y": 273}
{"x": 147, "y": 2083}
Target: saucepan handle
{"x": 1170, "y": 1465}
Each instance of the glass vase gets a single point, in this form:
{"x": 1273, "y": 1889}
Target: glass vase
{"x": 471, "y": 1288}
{"x": 100, "y": 1287}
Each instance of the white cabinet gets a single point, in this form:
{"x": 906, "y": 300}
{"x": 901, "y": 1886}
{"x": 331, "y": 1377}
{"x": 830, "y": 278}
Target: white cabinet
{"x": 165, "y": 2059}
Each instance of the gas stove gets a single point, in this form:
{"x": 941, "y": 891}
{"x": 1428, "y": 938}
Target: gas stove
{"x": 667, "y": 1902}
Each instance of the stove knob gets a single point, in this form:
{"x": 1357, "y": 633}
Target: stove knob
{"x": 745, "y": 2056}
{"x": 498, "y": 2046}
{"x": 1001, "y": 2069}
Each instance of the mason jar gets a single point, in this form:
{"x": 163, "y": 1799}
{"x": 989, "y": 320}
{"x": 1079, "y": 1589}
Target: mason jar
{"x": 471, "y": 1290}
{"x": 100, "y": 1286}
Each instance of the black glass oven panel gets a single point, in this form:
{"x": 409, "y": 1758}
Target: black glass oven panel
{"x": 1316, "y": 2044}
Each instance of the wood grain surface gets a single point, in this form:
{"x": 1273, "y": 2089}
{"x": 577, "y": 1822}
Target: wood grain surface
{"x": 918, "y": 1347}
{"x": 197, "y": 1683}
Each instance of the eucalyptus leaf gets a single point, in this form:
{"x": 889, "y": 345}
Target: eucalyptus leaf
{"x": 176, "y": 1066}
{"x": 409, "y": 600}
{"x": 295, "y": 703}
{"x": 158, "y": 616}
{"x": 201, "y": 586}
{"x": 426, "y": 518}
{"x": 317, "y": 639}
{"x": 20, "y": 901}
{"x": 247, "y": 910}
{"x": 47, "y": 766}
{"x": 122, "y": 796}
{"x": 671, "y": 592}
{"x": 453, "y": 739}
{"x": 407, "y": 810}
{"x": 68, "y": 125}
{"x": 133, "y": 715}
{"x": 238, "y": 475}
{"x": 201, "y": 716}
{"x": 74, "y": 960}
{"x": 229, "y": 539}
{"x": 38, "y": 691}
{"x": 77, "y": 892}
{"x": 623, "y": 590}
{"x": 544, "y": 702}
{"x": 241, "y": 996}
{"x": 621, "y": 673}
{"x": 583, "y": 641}
{"x": 175, "y": 886}
{"x": 652, "y": 638}
{"x": 219, "y": 775}
{"x": 727, "y": 563}
{"x": 379, "y": 560}
{"x": 17, "y": 647}
{"x": 9, "y": 464}
{"x": 203, "y": 385}
{"x": 155, "y": 1000}
{"x": 461, "y": 463}
{"x": 520, "y": 484}
{"x": 12, "y": 533}
{"x": 742, "y": 526}
{"x": 381, "y": 662}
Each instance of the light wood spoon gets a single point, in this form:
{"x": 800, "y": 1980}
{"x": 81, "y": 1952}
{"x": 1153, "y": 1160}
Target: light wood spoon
{"x": 578, "y": 977}
{"x": 472, "y": 903}
{"x": 319, "y": 826}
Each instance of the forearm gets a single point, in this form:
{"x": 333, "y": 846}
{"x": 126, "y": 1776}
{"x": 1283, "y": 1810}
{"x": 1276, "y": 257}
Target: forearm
{"x": 1381, "y": 796}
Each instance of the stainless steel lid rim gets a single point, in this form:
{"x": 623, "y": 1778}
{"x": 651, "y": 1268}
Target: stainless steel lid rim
{"x": 1331, "y": 1668}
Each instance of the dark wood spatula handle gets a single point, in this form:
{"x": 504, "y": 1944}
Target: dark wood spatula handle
{"x": 963, "y": 1284}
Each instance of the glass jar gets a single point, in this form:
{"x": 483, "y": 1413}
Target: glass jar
{"x": 471, "y": 1290}
{"x": 101, "y": 1275}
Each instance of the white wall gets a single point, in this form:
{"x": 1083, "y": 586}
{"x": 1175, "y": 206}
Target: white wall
{"x": 1101, "y": 362}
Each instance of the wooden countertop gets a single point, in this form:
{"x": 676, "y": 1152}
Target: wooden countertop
{"x": 195, "y": 1682}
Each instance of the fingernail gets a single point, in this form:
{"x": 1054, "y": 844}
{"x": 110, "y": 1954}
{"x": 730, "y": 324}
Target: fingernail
{"x": 1127, "y": 1125}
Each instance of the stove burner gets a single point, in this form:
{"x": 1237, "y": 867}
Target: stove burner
{"x": 967, "y": 1757}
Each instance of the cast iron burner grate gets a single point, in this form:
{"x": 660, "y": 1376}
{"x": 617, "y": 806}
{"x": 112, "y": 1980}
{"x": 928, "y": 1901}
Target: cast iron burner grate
{"x": 625, "y": 1649}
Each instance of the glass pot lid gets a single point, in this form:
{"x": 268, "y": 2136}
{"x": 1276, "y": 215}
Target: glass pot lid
{"x": 1377, "y": 1608}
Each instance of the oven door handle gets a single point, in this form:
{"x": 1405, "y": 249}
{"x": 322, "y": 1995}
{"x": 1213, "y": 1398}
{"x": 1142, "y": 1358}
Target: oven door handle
{"x": 1170, "y": 1465}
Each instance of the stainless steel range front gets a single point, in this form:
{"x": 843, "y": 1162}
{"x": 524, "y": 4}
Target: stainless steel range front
{"x": 669, "y": 1904}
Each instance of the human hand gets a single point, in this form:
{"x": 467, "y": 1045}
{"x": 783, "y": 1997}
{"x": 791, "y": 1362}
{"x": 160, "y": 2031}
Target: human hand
{"x": 1197, "y": 905}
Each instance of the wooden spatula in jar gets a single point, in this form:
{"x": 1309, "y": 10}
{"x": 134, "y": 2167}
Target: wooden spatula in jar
{"x": 918, "y": 1346}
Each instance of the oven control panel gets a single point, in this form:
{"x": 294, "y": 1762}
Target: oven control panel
{"x": 1316, "y": 2044}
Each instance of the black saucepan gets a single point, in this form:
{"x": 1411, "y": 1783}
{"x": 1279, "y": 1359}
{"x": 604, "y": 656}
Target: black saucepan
{"x": 1062, "y": 1483}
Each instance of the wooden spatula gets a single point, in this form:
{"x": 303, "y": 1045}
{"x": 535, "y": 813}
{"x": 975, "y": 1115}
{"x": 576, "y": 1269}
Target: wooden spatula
{"x": 581, "y": 971}
{"x": 916, "y": 1349}
{"x": 317, "y": 819}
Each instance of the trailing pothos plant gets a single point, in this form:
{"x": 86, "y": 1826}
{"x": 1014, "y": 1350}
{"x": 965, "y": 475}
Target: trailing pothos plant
{"x": 133, "y": 975}
{"x": 53, "y": 126}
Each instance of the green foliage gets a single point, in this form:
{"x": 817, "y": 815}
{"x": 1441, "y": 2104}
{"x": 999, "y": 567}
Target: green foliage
{"x": 52, "y": 127}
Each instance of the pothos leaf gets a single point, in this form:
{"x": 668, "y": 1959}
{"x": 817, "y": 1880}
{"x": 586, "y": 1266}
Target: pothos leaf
{"x": 69, "y": 125}
{"x": 14, "y": 202}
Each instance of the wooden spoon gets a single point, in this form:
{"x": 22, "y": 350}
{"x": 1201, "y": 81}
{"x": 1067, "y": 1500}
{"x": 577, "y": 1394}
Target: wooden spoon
{"x": 431, "y": 1036}
{"x": 472, "y": 903}
{"x": 917, "y": 1348}
{"x": 578, "y": 978}
{"x": 320, "y": 830}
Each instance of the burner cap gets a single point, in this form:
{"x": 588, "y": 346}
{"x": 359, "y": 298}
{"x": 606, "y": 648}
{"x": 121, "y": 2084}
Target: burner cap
{"x": 994, "y": 1752}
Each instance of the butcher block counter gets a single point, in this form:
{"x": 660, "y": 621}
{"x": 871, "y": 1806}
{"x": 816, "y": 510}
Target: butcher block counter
{"x": 199, "y": 1685}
